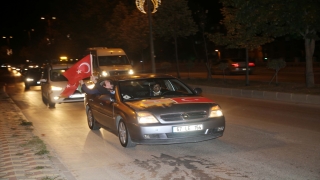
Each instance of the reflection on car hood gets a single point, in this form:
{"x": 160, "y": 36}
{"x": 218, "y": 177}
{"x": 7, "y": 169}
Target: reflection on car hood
{"x": 172, "y": 103}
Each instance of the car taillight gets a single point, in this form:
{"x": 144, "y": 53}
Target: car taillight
{"x": 251, "y": 64}
{"x": 235, "y": 65}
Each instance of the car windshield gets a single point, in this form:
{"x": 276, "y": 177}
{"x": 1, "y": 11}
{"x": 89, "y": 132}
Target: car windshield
{"x": 57, "y": 75}
{"x": 34, "y": 70}
{"x": 148, "y": 88}
{"x": 113, "y": 60}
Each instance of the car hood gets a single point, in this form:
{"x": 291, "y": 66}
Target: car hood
{"x": 172, "y": 105}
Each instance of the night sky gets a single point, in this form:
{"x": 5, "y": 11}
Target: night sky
{"x": 19, "y": 16}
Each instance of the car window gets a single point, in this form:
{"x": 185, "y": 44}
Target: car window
{"x": 143, "y": 88}
{"x": 112, "y": 60}
{"x": 57, "y": 75}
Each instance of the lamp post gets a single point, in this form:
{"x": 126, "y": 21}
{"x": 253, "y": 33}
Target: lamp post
{"x": 9, "y": 50}
{"x": 140, "y": 6}
{"x": 219, "y": 55}
{"x": 49, "y": 27}
{"x": 8, "y": 39}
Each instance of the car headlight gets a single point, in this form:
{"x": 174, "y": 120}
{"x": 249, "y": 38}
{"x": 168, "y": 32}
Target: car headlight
{"x": 90, "y": 86}
{"x": 215, "y": 111}
{"x": 29, "y": 79}
{"x": 146, "y": 117}
{"x": 56, "y": 88}
{"x": 104, "y": 73}
{"x": 131, "y": 71}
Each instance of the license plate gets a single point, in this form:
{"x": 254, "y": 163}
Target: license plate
{"x": 76, "y": 96}
{"x": 188, "y": 128}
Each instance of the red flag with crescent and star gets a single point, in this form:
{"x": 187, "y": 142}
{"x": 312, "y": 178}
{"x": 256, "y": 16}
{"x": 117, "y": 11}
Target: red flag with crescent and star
{"x": 69, "y": 90}
{"x": 82, "y": 69}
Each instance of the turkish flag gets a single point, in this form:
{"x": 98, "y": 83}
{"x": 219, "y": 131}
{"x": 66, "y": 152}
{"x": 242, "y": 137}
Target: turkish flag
{"x": 82, "y": 69}
{"x": 69, "y": 90}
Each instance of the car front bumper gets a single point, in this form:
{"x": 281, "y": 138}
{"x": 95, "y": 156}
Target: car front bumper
{"x": 163, "y": 134}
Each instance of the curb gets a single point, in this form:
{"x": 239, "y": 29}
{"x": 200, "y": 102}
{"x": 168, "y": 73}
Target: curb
{"x": 265, "y": 95}
{"x": 18, "y": 159}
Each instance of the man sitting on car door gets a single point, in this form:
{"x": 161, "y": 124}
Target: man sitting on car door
{"x": 104, "y": 87}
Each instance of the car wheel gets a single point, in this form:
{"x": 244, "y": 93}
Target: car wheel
{"x": 91, "y": 121}
{"x": 124, "y": 136}
{"x": 50, "y": 103}
{"x": 44, "y": 100}
{"x": 26, "y": 87}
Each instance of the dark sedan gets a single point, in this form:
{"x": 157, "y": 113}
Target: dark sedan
{"x": 137, "y": 115}
{"x": 232, "y": 66}
{"x": 31, "y": 77}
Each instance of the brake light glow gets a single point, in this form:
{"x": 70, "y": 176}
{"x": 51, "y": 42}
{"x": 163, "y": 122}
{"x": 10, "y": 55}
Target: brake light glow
{"x": 235, "y": 65}
{"x": 251, "y": 64}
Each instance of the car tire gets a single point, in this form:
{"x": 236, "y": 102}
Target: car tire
{"x": 124, "y": 136}
{"x": 44, "y": 100}
{"x": 93, "y": 125}
{"x": 26, "y": 87}
{"x": 50, "y": 103}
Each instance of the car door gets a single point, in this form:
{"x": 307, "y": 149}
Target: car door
{"x": 105, "y": 110}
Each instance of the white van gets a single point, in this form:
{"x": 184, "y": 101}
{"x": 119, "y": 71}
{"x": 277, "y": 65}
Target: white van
{"x": 53, "y": 84}
{"x": 109, "y": 61}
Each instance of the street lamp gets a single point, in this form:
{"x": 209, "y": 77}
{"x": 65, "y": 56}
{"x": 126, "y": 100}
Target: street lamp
{"x": 9, "y": 50}
{"x": 219, "y": 55}
{"x": 8, "y": 39}
{"x": 140, "y": 6}
{"x": 49, "y": 27}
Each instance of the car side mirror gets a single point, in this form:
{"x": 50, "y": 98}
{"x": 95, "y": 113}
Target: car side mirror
{"x": 198, "y": 91}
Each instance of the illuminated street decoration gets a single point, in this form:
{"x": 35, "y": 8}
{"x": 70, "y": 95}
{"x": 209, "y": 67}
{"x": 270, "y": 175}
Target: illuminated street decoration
{"x": 140, "y": 5}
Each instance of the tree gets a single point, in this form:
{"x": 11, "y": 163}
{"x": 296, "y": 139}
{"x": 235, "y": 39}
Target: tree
{"x": 241, "y": 31}
{"x": 173, "y": 20}
{"x": 271, "y": 19}
{"x": 133, "y": 34}
{"x": 276, "y": 64}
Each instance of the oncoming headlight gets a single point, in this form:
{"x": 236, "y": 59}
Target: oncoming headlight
{"x": 90, "y": 86}
{"x": 29, "y": 79}
{"x": 215, "y": 111}
{"x": 104, "y": 73}
{"x": 56, "y": 88}
{"x": 131, "y": 71}
{"x": 146, "y": 117}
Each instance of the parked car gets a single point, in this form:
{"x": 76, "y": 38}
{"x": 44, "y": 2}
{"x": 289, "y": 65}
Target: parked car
{"x": 31, "y": 77}
{"x": 232, "y": 66}
{"x": 179, "y": 114}
{"x": 53, "y": 84}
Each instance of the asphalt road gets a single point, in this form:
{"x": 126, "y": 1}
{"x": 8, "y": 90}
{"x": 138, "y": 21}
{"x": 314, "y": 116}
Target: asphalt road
{"x": 263, "y": 140}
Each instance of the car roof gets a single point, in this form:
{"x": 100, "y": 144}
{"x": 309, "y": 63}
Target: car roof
{"x": 137, "y": 76}
{"x": 61, "y": 66}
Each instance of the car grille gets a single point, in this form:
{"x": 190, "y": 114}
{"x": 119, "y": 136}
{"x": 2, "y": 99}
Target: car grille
{"x": 115, "y": 73}
{"x": 184, "y": 116}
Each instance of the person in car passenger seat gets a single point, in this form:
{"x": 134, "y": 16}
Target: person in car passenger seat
{"x": 156, "y": 90}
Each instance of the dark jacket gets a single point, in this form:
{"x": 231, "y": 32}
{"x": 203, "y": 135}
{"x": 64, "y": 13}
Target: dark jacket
{"x": 97, "y": 90}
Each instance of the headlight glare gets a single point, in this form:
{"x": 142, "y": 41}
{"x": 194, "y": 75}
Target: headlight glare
{"x": 215, "y": 112}
{"x": 104, "y": 73}
{"x": 131, "y": 71}
{"x": 56, "y": 88}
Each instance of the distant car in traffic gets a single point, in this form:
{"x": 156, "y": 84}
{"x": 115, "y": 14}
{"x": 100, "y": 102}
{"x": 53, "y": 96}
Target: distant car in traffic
{"x": 53, "y": 84}
{"x": 31, "y": 77}
{"x": 232, "y": 66}
{"x": 139, "y": 115}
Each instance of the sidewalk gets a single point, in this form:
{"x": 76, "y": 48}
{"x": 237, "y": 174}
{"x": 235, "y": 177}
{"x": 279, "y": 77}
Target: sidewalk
{"x": 18, "y": 148}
